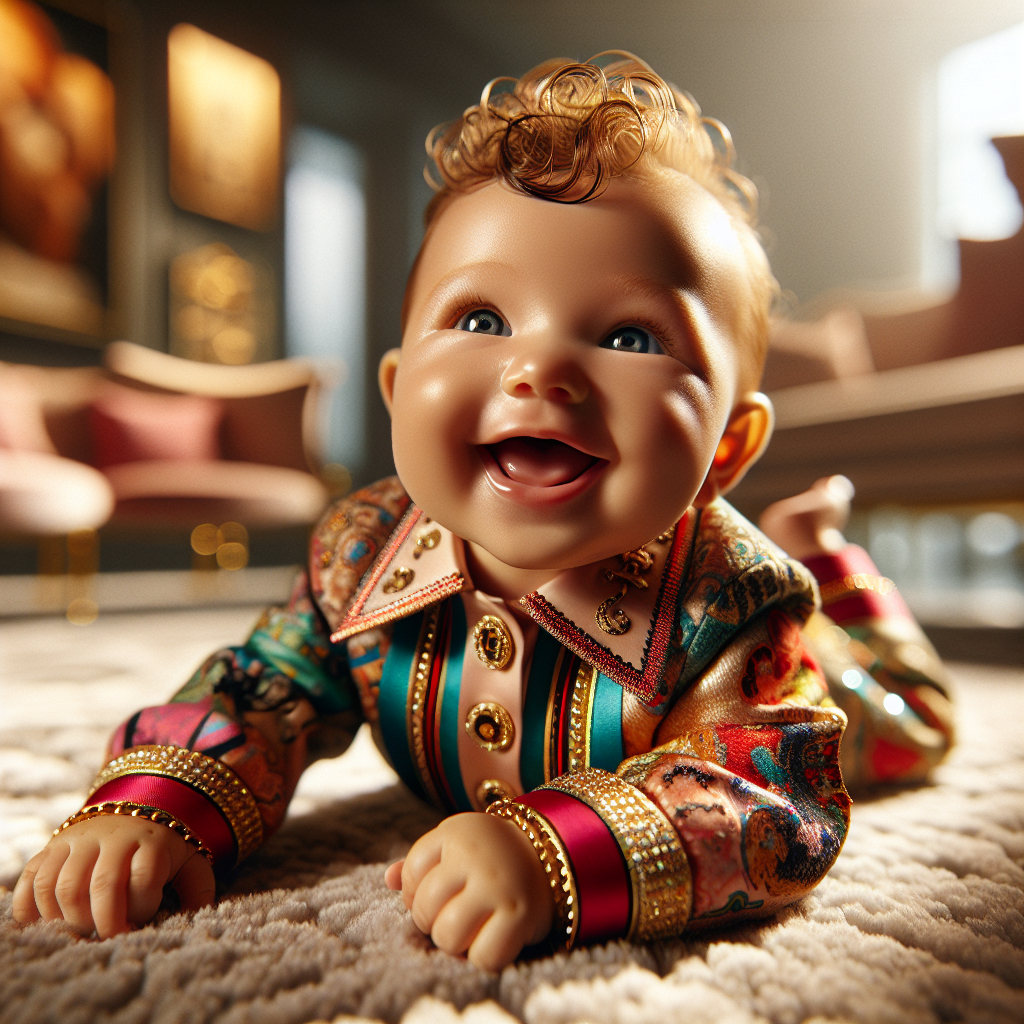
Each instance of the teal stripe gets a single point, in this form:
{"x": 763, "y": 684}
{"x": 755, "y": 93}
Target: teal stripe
{"x": 394, "y": 693}
{"x": 535, "y": 710}
{"x": 450, "y": 724}
{"x": 606, "y": 725}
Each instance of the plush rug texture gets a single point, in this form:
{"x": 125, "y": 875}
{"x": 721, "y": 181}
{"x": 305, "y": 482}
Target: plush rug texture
{"x": 921, "y": 920}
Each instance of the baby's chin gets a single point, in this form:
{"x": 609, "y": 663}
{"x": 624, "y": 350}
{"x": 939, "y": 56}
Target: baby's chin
{"x": 553, "y": 549}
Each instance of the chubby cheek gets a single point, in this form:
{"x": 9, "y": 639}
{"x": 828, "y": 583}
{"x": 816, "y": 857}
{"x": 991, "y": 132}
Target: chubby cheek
{"x": 433, "y": 412}
{"x": 666, "y": 454}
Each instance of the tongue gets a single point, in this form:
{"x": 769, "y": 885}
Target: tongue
{"x": 540, "y": 463}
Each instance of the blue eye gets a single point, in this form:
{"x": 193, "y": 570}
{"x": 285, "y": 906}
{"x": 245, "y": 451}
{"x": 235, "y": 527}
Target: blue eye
{"x": 633, "y": 339}
{"x": 482, "y": 321}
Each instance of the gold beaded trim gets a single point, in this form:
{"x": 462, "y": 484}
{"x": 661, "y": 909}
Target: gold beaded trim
{"x": 209, "y": 776}
{"x": 553, "y": 858}
{"x": 153, "y": 814}
{"x": 838, "y": 589}
{"x": 417, "y": 705}
{"x": 581, "y": 708}
{"x": 659, "y": 872}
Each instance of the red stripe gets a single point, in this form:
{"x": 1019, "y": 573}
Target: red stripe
{"x": 563, "y": 705}
{"x": 602, "y": 882}
{"x": 194, "y": 810}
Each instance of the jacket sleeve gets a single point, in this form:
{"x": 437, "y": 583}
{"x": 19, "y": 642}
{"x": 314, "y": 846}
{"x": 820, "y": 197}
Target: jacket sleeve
{"x": 264, "y": 710}
{"x": 881, "y": 670}
{"x": 224, "y": 756}
{"x": 738, "y": 810}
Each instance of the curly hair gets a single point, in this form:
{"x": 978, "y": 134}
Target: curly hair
{"x": 564, "y": 129}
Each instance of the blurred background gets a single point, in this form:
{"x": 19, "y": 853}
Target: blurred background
{"x": 208, "y": 211}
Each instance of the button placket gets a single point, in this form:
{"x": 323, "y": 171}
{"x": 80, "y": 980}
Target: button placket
{"x": 490, "y": 700}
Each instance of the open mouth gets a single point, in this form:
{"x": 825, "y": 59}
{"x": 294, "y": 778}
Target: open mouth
{"x": 540, "y": 462}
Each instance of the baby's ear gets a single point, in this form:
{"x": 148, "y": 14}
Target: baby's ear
{"x": 746, "y": 436}
{"x": 386, "y": 375}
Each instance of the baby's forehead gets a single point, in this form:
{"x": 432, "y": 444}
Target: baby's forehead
{"x": 664, "y": 211}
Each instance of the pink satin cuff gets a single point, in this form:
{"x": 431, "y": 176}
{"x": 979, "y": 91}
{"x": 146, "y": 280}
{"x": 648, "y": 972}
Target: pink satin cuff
{"x": 189, "y": 806}
{"x": 602, "y": 883}
{"x": 864, "y": 603}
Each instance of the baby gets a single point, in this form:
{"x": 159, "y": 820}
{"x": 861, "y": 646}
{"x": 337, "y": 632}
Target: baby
{"x": 557, "y": 630}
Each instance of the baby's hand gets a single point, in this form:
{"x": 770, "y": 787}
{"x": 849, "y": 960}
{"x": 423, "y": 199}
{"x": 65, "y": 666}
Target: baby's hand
{"x": 107, "y": 873}
{"x": 475, "y": 885}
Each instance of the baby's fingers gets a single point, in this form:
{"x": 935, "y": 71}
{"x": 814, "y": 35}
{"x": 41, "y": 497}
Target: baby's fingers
{"x": 458, "y": 922}
{"x": 72, "y": 888}
{"x": 499, "y": 941}
{"x": 149, "y": 872}
{"x": 195, "y": 883}
{"x": 393, "y": 875}
{"x": 434, "y": 892}
{"x": 424, "y": 856}
{"x": 108, "y": 891}
{"x": 25, "y": 909}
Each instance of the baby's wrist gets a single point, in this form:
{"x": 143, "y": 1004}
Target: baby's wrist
{"x": 199, "y": 792}
{"x": 554, "y": 860}
{"x": 124, "y": 808}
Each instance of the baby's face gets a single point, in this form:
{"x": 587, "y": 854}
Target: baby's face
{"x": 567, "y": 371}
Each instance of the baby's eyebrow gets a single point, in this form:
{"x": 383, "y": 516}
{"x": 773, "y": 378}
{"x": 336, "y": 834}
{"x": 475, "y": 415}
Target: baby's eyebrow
{"x": 465, "y": 277}
{"x": 645, "y": 288}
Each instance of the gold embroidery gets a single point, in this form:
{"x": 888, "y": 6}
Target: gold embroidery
{"x": 493, "y": 642}
{"x": 416, "y": 708}
{"x": 634, "y": 564}
{"x": 838, "y": 589}
{"x": 664, "y": 538}
{"x": 426, "y": 542}
{"x": 491, "y": 726}
{"x": 553, "y": 858}
{"x": 211, "y": 777}
{"x": 326, "y": 557}
{"x": 400, "y": 579}
{"x": 659, "y": 871}
{"x": 580, "y": 710}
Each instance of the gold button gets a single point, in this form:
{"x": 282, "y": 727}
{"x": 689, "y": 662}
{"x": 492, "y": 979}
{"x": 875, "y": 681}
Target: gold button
{"x": 493, "y": 642}
{"x": 491, "y": 790}
{"x": 491, "y": 726}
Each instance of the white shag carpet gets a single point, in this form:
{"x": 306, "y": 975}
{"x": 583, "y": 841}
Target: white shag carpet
{"x": 920, "y": 921}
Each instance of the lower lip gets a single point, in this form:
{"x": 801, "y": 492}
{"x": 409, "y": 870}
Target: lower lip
{"x": 525, "y": 494}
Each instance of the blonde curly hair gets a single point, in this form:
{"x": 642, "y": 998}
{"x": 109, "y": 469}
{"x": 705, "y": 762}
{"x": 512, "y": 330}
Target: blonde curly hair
{"x": 564, "y": 129}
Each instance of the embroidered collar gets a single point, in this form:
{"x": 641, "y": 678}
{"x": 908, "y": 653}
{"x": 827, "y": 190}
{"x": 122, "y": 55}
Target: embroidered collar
{"x": 616, "y": 614}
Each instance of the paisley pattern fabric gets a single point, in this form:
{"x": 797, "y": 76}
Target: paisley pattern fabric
{"x": 737, "y": 748}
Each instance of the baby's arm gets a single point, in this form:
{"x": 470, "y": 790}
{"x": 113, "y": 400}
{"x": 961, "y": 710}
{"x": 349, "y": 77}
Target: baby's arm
{"x": 223, "y": 758}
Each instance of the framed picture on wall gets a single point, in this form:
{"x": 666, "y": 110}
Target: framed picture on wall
{"x": 57, "y": 149}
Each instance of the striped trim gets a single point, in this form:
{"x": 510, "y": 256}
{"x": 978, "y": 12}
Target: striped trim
{"x": 422, "y": 690}
{"x": 448, "y": 724}
{"x": 533, "y": 755}
{"x": 556, "y": 721}
{"x": 581, "y": 709}
{"x": 606, "y": 746}
{"x": 393, "y": 699}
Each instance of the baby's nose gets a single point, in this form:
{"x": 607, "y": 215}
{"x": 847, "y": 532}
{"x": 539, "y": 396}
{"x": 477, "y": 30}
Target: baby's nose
{"x": 550, "y": 376}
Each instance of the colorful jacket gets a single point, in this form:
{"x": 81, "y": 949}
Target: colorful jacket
{"x": 660, "y": 711}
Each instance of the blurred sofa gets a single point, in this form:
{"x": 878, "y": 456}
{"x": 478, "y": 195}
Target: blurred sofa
{"x": 917, "y": 399}
{"x": 157, "y": 442}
